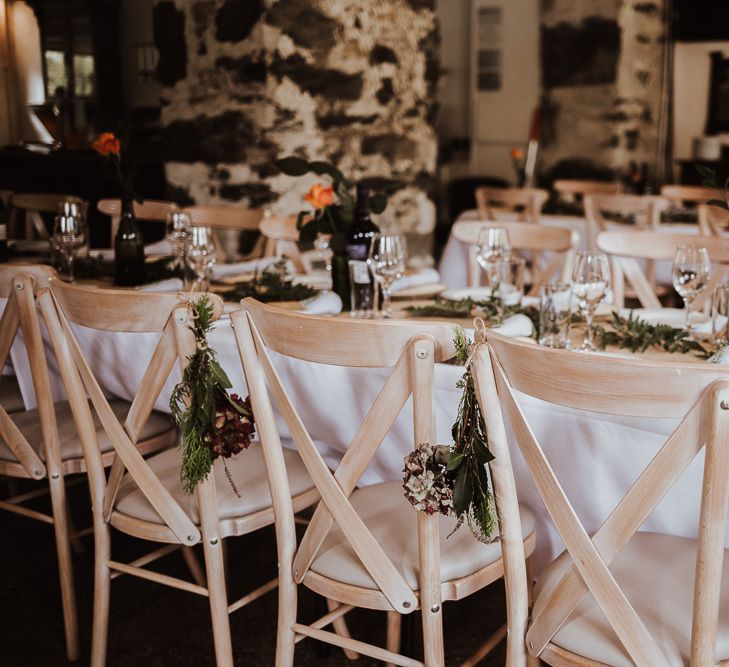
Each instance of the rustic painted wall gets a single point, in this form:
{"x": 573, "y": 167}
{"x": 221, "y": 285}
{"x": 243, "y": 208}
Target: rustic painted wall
{"x": 350, "y": 81}
{"x": 602, "y": 66}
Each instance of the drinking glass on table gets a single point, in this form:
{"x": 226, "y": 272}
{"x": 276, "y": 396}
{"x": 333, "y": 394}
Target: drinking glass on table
{"x": 64, "y": 243}
{"x": 74, "y": 207}
{"x": 720, "y": 314}
{"x": 387, "y": 262}
{"x": 200, "y": 255}
{"x": 492, "y": 244}
{"x": 324, "y": 256}
{"x": 691, "y": 269}
{"x": 505, "y": 277}
{"x": 590, "y": 284}
{"x": 555, "y": 310}
{"x": 178, "y": 229}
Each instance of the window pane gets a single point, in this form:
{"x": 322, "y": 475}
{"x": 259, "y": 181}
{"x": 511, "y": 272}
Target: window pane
{"x": 83, "y": 75}
{"x": 55, "y": 72}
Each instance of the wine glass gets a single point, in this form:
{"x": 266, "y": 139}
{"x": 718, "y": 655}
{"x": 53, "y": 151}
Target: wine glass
{"x": 505, "y": 277}
{"x": 74, "y": 207}
{"x": 200, "y": 256}
{"x": 492, "y": 243}
{"x": 178, "y": 226}
{"x": 64, "y": 242}
{"x": 387, "y": 262}
{"x": 324, "y": 256}
{"x": 590, "y": 283}
{"x": 691, "y": 268}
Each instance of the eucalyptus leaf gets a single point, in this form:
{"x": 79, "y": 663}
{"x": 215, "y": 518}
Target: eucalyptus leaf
{"x": 706, "y": 172}
{"x": 220, "y": 375}
{"x": 324, "y": 168}
{"x": 378, "y": 203}
{"x": 293, "y": 166}
{"x": 454, "y": 460}
{"x": 462, "y": 491}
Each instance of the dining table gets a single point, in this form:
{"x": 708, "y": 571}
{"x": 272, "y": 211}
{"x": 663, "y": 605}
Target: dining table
{"x": 596, "y": 456}
{"x": 454, "y": 260}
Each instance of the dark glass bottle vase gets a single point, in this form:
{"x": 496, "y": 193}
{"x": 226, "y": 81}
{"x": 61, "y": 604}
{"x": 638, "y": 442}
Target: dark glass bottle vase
{"x": 340, "y": 278}
{"x": 129, "y": 267}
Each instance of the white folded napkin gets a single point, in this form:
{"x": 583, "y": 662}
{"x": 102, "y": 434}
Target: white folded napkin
{"x": 163, "y": 247}
{"x": 422, "y": 277}
{"x": 168, "y": 285}
{"x": 326, "y": 303}
{"x": 515, "y": 326}
{"x": 250, "y": 266}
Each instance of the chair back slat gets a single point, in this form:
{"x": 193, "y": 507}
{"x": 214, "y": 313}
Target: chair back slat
{"x": 144, "y": 315}
{"x": 529, "y": 200}
{"x": 353, "y": 343}
{"x": 704, "y": 421}
{"x": 226, "y": 217}
{"x": 570, "y": 188}
{"x": 150, "y": 209}
{"x": 40, "y": 273}
{"x": 694, "y": 194}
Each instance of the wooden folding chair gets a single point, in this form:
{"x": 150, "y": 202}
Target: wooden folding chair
{"x": 227, "y": 223}
{"x": 527, "y": 202}
{"x": 713, "y": 221}
{"x": 687, "y": 194}
{"x": 618, "y": 597}
{"x": 381, "y": 554}
{"x": 562, "y": 243}
{"x": 626, "y": 248}
{"x": 32, "y": 205}
{"x": 571, "y": 190}
{"x": 42, "y": 443}
{"x": 149, "y": 210}
{"x": 145, "y": 498}
{"x": 282, "y": 238}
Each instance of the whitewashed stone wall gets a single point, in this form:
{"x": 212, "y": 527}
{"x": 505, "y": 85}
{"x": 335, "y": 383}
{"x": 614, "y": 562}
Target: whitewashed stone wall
{"x": 248, "y": 81}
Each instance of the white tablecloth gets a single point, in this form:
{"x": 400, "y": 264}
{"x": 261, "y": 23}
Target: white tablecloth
{"x": 453, "y": 263}
{"x": 595, "y": 456}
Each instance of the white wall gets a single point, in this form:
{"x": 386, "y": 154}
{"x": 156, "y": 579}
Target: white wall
{"x": 691, "y": 74}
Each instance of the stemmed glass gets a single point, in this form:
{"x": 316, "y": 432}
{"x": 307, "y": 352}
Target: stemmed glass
{"x": 387, "y": 263}
{"x": 64, "y": 242}
{"x": 324, "y": 255}
{"x": 200, "y": 256}
{"x": 691, "y": 268}
{"x": 590, "y": 283}
{"x": 492, "y": 244}
{"x": 178, "y": 229}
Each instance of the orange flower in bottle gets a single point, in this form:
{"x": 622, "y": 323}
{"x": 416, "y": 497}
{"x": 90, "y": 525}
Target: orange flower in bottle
{"x": 517, "y": 154}
{"x": 107, "y": 144}
{"x": 320, "y": 196}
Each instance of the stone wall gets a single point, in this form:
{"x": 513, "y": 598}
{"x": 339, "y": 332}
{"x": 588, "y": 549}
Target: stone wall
{"x": 247, "y": 81}
{"x": 602, "y": 63}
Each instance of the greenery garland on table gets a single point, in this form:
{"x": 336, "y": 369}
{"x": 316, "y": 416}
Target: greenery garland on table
{"x": 454, "y": 480}
{"x": 97, "y": 267}
{"x": 272, "y": 284}
{"x": 637, "y": 335}
{"x": 212, "y": 422}
{"x": 493, "y": 310}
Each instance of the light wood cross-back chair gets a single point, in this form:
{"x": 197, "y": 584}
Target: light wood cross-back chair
{"x": 570, "y": 190}
{"x": 625, "y": 248}
{"x": 524, "y": 236}
{"x": 282, "y": 238}
{"x": 713, "y": 221}
{"x": 150, "y": 210}
{"x": 32, "y": 205}
{"x": 227, "y": 223}
{"x": 364, "y": 547}
{"x": 646, "y": 209}
{"x": 528, "y": 201}
{"x": 687, "y": 194}
{"x": 42, "y": 443}
{"x": 145, "y": 498}
{"x": 617, "y": 597}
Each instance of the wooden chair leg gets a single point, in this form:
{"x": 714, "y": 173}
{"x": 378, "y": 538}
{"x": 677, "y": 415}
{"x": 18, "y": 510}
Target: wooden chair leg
{"x": 62, "y": 529}
{"x": 531, "y": 660}
{"x": 433, "y": 649}
{"x": 340, "y": 627}
{"x": 102, "y": 589}
{"x": 394, "y": 624}
{"x": 215, "y": 569}
{"x": 287, "y": 609}
{"x": 193, "y": 564}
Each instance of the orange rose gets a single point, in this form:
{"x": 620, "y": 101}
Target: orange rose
{"x": 320, "y": 196}
{"x": 107, "y": 144}
{"x": 517, "y": 154}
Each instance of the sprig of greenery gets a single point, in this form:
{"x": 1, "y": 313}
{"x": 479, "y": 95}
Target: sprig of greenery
{"x": 493, "y": 310}
{"x": 98, "y": 267}
{"x": 472, "y": 499}
{"x": 709, "y": 181}
{"x": 272, "y": 284}
{"x": 193, "y": 401}
{"x": 637, "y": 335}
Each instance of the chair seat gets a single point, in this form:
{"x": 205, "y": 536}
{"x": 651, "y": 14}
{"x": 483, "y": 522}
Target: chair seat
{"x": 10, "y": 397}
{"x": 656, "y": 573}
{"x": 29, "y": 424}
{"x": 393, "y": 523}
{"x": 246, "y": 468}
